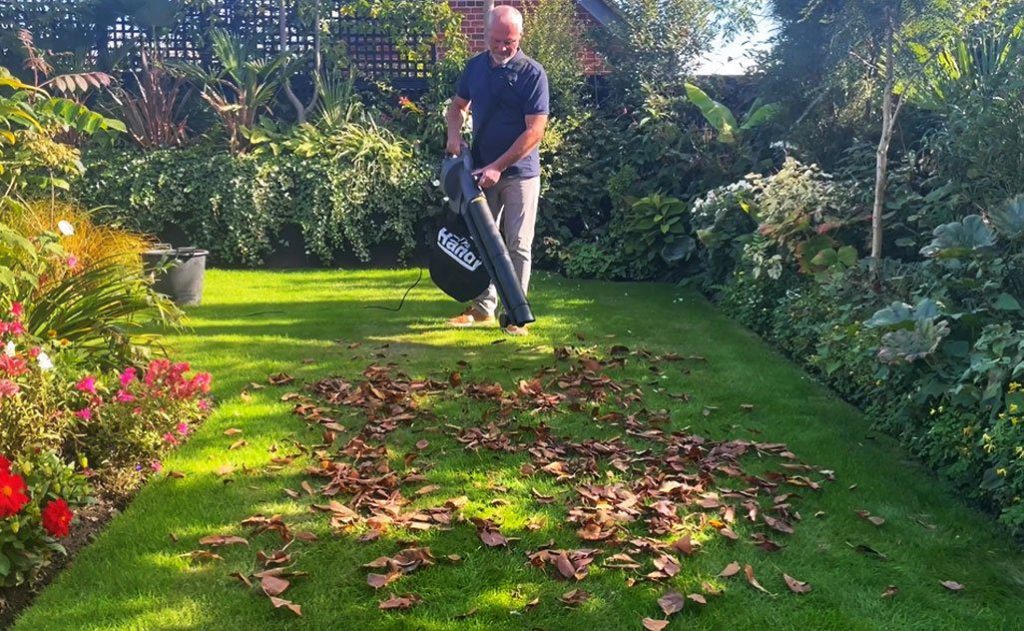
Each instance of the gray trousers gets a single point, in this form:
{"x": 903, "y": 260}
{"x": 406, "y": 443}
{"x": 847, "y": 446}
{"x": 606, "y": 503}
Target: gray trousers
{"x": 514, "y": 204}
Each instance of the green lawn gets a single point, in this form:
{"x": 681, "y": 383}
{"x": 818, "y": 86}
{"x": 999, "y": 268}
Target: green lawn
{"x": 254, "y": 324}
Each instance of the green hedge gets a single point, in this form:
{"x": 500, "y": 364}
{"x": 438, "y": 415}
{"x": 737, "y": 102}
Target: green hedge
{"x": 237, "y": 205}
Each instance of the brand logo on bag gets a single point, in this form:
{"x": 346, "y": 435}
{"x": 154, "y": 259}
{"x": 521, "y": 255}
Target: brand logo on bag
{"x": 458, "y": 248}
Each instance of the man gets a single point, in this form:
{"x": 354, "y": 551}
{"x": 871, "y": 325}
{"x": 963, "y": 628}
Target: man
{"x": 509, "y": 96}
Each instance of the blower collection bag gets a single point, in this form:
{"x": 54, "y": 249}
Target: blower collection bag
{"x": 455, "y": 265}
{"x": 467, "y": 250}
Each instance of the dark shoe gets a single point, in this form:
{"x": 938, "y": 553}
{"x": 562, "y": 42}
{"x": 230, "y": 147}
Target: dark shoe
{"x": 470, "y": 317}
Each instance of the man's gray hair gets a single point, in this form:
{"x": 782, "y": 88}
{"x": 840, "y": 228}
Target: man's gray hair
{"x": 505, "y": 13}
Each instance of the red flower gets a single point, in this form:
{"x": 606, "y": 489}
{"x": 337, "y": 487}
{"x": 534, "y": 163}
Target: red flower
{"x": 12, "y": 495}
{"x": 5, "y": 466}
{"x": 57, "y": 518}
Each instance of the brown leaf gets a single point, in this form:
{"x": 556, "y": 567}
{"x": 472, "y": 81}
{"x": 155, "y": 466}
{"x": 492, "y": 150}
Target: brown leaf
{"x": 777, "y": 524}
{"x": 730, "y": 570}
{"x": 430, "y": 488}
{"x": 874, "y": 519}
{"x": 273, "y": 586}
{"x": 667, "y": 564}
{"x": 175, "y": 474}
{"x": 215, "y": 541}
{"x": 224, "y": 470}
{"x": 281, "y": 602}
{"x": 400, "y": 602}
{"x": 697, "y": 598}
{"x": 575, "y": 597}
{"x": 242, "y": 577}
{"x": 728, "y": 533}
{"x": 671, "y": 603}
{"x": 306, "y": 536}
{"x": 565, "y": 566}
{"x": 422, "y": 444}
{"x": 655, "y": 625}
{"x": 238, "y": 444}
{"x": 748, "y": 571}
{"x": 232, "y": 432}
{"x": 890, "y": 591}
{"x": 952, "y": 586}
{"x": 621, "y": 561}
{"x": 280, "y": 379}
{"x": 683, "y": 545}
{"x": 795, "y": 586}
{"x": 377, "y": 581}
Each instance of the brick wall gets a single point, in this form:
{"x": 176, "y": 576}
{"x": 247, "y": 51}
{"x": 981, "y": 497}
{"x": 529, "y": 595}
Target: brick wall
{"x": 473, "y": 26}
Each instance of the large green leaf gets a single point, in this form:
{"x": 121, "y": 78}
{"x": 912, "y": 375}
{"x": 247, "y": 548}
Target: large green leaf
{"x": 763, "y": 114}
{"x": 716, "y": 114}
{"x": 1008, "y": 219}
{"x": 960, "y": 238}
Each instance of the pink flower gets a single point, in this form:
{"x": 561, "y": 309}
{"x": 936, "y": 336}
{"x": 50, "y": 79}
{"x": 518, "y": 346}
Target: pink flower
{"x": 123, "y": 396}
{"x": 34, "y": 352}
{"x": 85, "y": 414}
{"x": 87, "y": 384}
{"x": 8, "y": 388}
{"x": 17, "y": 309}
{"x": 204, "y": 405}
{"x": 127, "y": 376}
{"x": 170, "y": 439}
{"x": 72, "y": 262}
{"x": 183, "y": 429}
{"x": 156, "y": 466}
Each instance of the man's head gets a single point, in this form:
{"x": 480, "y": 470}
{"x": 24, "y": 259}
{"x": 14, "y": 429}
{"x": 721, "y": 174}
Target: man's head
{"x": 504, "y": 32}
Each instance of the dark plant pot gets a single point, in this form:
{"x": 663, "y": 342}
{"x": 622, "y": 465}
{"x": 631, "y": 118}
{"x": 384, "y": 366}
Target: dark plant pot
{"x": 178, "y": 273}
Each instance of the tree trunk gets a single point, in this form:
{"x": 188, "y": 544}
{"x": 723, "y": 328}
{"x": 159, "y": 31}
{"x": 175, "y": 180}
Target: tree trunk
{"x": 889, "y": 114}
{"x": 300, "y": 111}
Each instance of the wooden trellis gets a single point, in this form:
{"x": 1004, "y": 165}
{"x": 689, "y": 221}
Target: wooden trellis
{"x": 65, "y": 25}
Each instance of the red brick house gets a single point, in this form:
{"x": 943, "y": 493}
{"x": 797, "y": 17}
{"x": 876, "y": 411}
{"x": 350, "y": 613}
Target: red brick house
{"x": 589, "y": 12}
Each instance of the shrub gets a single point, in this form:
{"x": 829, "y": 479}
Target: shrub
{"x": 38, "y": 493}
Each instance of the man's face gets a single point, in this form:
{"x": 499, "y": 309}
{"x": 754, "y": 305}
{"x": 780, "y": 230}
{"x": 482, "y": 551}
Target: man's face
{"x": 503, "y": 41}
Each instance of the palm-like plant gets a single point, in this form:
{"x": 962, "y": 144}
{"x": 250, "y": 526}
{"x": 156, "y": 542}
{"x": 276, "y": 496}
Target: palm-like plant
{"x": 965, "y": 65}
{"x": 155, "y": 111}
{"x": 240, "y": 89}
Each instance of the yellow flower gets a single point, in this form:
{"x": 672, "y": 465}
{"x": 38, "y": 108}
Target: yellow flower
{"x": 1001, "y": 472}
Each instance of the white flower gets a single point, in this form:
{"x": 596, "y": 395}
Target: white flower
{"x": 65, "y": 228}
{"x": 45, "y": 363}
{"x": 9, "y": 349}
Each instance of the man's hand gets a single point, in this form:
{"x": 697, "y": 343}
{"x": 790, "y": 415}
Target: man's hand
{"x": 454, "y": 147}
{"x": 487, "y": 176}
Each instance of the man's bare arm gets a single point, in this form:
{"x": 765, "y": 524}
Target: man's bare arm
{"x": 524, "y": 144}
{"x": 456, "y": 114}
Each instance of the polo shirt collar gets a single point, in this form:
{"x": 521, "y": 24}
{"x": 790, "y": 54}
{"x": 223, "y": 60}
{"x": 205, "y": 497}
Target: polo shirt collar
{"x": 516, "y": 59}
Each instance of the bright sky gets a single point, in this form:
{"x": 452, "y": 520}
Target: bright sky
{"x": 736, "y": 57}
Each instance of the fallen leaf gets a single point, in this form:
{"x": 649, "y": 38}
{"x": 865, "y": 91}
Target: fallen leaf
{"x": 952, "y": 586}
{"x": 890, "y": 591}
{"x": 400, "y": 602}
{"x": 795, "y": 586}
{"x": 671, "y": 603}
{"x": 575, "y": 597}
{"x": 422, "y": 444}
{"x": 176, "y": 474}
{"x": 697, "y": 598}
{"x": 281, "y": 602}
{"x": 224, "y": 470}
{"x": 215, "y": 541}
{"x": 655, "y": 625}
{"x": 377, "y": 581}
{"x": 865, "y": 549}
{"x": 238, "y": 444}
{"x": 748, "y": 570}
{"x": 273, "y": 586}
{"x": 730, "y": 570}
{"x": 234, "y": 431}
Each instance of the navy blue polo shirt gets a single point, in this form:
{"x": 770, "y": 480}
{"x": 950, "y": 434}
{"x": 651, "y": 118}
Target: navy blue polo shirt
{"x": 505, "y": 94}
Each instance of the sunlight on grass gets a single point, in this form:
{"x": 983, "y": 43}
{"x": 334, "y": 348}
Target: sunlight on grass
{"x": 311, "y": 325}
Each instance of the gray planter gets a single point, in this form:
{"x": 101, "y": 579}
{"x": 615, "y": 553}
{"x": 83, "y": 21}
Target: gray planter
{"x": 178, "y": 272}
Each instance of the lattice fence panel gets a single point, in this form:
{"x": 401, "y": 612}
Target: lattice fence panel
{"x": 67, "y": 25}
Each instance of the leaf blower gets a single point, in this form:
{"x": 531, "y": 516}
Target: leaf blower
{"x": 468, "y": 253}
